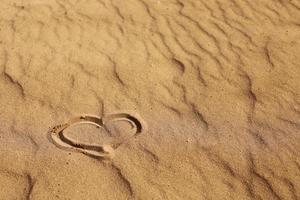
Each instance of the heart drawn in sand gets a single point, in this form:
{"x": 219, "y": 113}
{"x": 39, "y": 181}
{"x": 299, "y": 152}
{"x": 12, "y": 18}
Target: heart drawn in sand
{"x": 57, "y": 136}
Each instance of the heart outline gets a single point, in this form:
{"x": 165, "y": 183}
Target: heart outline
{"x": 57, "y": 137}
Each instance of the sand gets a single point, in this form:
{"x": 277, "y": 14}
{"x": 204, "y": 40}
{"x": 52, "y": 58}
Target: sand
{"x": 149, "y": 99}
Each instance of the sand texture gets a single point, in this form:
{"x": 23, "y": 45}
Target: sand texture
{"x": 149, "y": 99}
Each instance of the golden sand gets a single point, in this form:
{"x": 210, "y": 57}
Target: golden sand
{"x": 205, "y": 96}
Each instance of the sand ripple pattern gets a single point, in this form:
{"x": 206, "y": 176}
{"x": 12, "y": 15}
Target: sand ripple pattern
{"x": 217, "y": 81}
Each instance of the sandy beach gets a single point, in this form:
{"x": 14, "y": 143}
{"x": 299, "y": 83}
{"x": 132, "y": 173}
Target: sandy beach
{"x": 149, "y": 99}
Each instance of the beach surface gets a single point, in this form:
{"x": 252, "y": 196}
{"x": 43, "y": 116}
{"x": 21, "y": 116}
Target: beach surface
{"x": 149, "y": 99}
